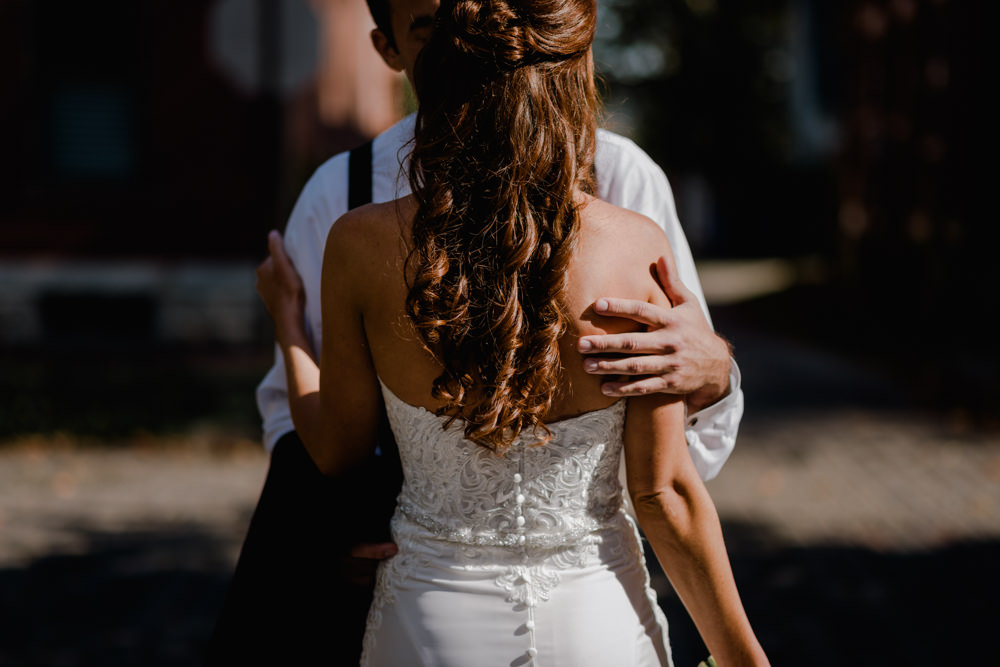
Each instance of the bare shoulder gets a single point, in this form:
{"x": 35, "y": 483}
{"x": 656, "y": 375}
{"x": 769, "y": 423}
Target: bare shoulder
{"x": 621, "y": 241}
{"x": 615, "y": 257}
{"x": 365, "y": 246}
{"x": 368, "y": 235}
{"x": 603, "y": 219}
{"x": 366, "y": 230}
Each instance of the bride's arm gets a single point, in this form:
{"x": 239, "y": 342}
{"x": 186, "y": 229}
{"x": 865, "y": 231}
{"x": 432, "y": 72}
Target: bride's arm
{"x": 676, "y": 513}
{"x": 335, "y": 400}
{"x": 679, "y": 519}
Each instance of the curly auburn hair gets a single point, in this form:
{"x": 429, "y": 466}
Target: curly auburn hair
{"x": 504, "y": 140}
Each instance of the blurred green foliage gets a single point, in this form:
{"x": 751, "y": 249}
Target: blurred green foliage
{"x": 706, "y": 89}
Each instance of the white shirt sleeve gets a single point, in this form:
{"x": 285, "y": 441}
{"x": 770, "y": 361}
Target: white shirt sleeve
{"x": 628, "y": 177}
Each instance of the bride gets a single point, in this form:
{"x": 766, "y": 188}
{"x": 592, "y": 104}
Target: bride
{"x": 458, "y": 308}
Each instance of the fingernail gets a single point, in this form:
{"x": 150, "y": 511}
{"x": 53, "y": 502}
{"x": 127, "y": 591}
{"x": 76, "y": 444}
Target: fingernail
{"x": 601, "y": 304}
{"x": 589, "y": 365}
{"x": 608, "y": 390}
{"x": 585, "y": 345}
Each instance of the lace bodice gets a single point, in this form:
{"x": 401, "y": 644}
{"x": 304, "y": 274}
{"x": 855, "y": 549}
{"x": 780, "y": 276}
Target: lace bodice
{"x": 511, "y": 548}
{"x": 533, "y": 496}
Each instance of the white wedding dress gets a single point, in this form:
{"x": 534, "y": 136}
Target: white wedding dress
{"x": 523, "y": 559}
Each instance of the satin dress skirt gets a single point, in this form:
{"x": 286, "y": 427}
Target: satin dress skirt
{"x": 438, "y": 605}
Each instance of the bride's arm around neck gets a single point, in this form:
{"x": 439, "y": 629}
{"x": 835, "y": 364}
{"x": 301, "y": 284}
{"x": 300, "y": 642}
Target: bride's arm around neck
{"x": 335, "y": 399}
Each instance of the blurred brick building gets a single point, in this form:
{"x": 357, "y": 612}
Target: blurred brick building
{"x": 916, "y": 240}
{"x": 907, "y": 171}
{"x": 147, "y": 146}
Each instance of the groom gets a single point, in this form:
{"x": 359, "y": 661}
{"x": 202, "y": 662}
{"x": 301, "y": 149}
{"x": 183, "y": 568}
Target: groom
{"x": 288, "y": 602}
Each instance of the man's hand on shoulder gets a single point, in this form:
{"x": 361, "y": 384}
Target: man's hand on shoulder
{"x": 679, "y": 353}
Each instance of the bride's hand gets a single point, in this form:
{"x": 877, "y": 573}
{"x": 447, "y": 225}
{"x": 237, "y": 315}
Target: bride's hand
{"x": 280, "y": 287}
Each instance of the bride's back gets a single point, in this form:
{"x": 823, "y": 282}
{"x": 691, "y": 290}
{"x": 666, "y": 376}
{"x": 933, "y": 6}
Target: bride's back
{"x": 615, "y": 253}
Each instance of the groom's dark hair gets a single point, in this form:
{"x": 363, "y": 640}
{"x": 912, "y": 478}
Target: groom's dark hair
{"x": 381, "y": 14}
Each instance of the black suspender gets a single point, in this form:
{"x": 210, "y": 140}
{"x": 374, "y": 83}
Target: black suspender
{"x": 359, "y": 176}
{"x": 359, "y": 193}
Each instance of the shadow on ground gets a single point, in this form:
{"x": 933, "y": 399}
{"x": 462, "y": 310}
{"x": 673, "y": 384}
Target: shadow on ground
{"x": 126, "y": 598}
{"x": 843, "y": 606}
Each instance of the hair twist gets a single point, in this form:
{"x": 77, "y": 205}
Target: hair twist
{"x": 506, "y": 34}
{"x": 504, "y": 142}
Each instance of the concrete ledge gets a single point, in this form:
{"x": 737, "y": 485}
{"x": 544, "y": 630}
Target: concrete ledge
{"x": 194, "y": 302}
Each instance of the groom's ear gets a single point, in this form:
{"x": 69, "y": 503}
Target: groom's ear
{"x": 386, "y": 50}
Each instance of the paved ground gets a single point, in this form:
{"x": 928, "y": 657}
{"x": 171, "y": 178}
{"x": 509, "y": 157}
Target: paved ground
{"x": 862, "y": 531}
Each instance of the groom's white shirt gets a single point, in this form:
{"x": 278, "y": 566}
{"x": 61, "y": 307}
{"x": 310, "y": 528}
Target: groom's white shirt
{"x": 626, "y": 176}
